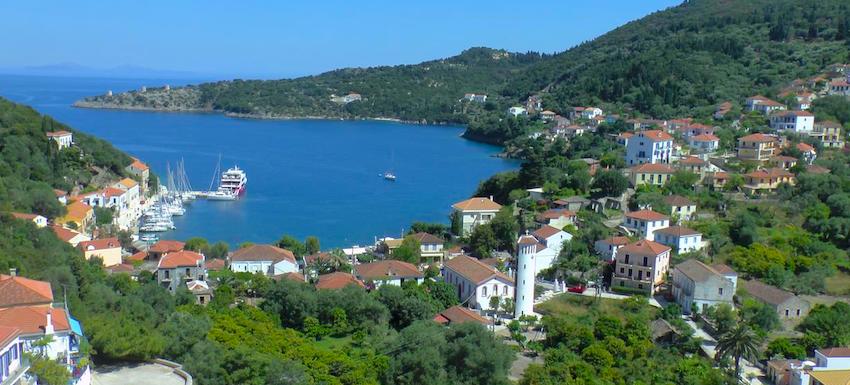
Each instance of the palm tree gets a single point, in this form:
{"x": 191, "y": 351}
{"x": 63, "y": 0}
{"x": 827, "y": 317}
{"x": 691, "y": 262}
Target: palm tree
{"x": 740, "y": 342}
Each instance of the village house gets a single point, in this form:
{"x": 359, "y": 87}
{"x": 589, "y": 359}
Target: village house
{"x": 476, "y": 282}
{"x": 644, "y": 223}
{"x": 141, "y": 172}
{"x": 681, "y": 207}
{"x": 36, "y": 219}
{"x": 78, "y": 215}
{"x": 716, "y": 180}
{"x": 458, "y": 315}
{"x": 478, "y": 98}
{"x": 783, "y": 161}
{"x": 828, "y": 134}
{"x": 201, "y": 290}
{"x": 430, "y": 247}
{"x": 69, "y": 236}
{"x": 807, "y": 151}
{"x": 558, "y": 218}
{"x": 475, "y": 211}
{"x": 695, "y": 129}
{"x": 679, "y": 124}
{"x": 517, "y": 111}
{"x": 766, "y": 180}
{"x": 177, "y": 268}
{"x": 779, "y": 371}
{"x": 548, "y": 116}
{"x": 574, "y": 203}
{"x": 652, "y": 146}
{"x": 722, "y": 109}
{"x": 801, "y": 122}
{"x": 699, "y": 286}
{"x": 681, "y": 239}
{"x": 804, "y": 100}
{"x": 337, "y": 280}
{"x": 550, "y": 240}
{"x": 762, "y": 104}
{"x": 264, "y": 259}
{"x": 535, "y": 193}
{"x": 586, "y": 112}
{"x": 13, "y": 365}
{"x": 839, "y": 87}
{"x": 785, "y": 304}
{"x": 108, "y": 250}
{"x": 704, "y": 143}
{"x": 694, "y": 165}
{"x": 651, "y": 174}
{"x": 831, "y": 367}
{"x": 387, "y": 272}
{"x": 623, "y": 138}
{"x": 641, "y": 266}
{"x": 61, "y": 196}
{"x": 63, "y": 139}
{"x": 757, "y": 147}
{"x": 607, "y": 248}
{"x": 163, "y": 247}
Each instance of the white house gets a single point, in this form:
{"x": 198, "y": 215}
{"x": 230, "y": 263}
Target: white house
{"x": 802, "y": 122}
{"x": 265, "y": 259}
{"x": 680, "y": 206}
{"x": 476, "y": 281}
{"x": 558, "y": 218}
{"x": 644, "y": 223}
{"x": 535, "y": 193}
{"x": 430, "y": 247}
{"x": 696, "y": 284}
{"x": 704, "y": 144}
{"x": 550, "y": 240}
{"x": 38, "y": 220}
{"x": 70, "y": 236}
{"x": 12, "y": 367}
{"x": 591, "y": 112}
{"x": 388, "y": 272}
{"x": 652, "y": 146}
{"x": 478, "y": 98}
{"x": 641, "y": 266}
{"x": 63, "y": 139}
{"x": 607, "y": 248}
{"x": 517, "y": 111}
{"x": 831, "y": 366}
{"x": 475, "y": 211}
{"x": 681, "y": 239}
{"x": 762, "y": 104}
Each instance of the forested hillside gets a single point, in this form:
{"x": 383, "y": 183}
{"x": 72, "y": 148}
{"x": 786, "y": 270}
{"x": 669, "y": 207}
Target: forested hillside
{"x": 31, "y": 166}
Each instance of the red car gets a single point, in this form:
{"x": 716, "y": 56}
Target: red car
{"x": 577, "y": 289}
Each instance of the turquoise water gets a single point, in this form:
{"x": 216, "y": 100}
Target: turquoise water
{"x": 305, "y": 177}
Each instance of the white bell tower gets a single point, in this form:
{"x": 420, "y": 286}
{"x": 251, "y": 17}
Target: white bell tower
{"x": 524, "y": 295}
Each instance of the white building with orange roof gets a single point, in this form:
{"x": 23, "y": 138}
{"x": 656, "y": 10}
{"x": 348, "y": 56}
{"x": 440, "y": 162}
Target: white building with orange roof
{"x": 704, "y": 143}
{"x": 641, "y": 266}
{"x": 809, "y": 153}
{"x": 476, "y": 282}
{"x": 644, "y": 223}
{"x": 36, "y": 219}
{"x": 801, "y": 122}
{"x": 762, "y": 104}
{"x": 757, "y": 147}
{"x": 69, "y": 236}
{"x": 651, "y": 146}
{"x": 550, "y": 241}
{"x": 474, "y": 212}
{"x": 63, "y": 139}
{"x": 107, "y": 249}
{"x": 607, "y": 248}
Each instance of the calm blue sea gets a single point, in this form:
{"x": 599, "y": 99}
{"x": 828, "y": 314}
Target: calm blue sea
{"x": 305, "y": 177}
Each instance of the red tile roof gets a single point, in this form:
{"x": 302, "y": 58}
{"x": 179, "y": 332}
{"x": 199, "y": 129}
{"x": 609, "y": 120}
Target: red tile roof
{"x": 427, "y": 239}
{"x": 139, "y": 165}
{"x": 617, "y": 241}
{"x": 477, "y": 204}
{"x": 835, "y": 352}
{"x": 555, "y": 214}
{"x": 815, "y": 169}
{"x": 643, "y": 247}
{"x": 527, "y": 240}
{"x": 657, "y": 168}
{"x": 677, "y": 231}
{"x": 337, "y": 280}
{"x": 774, "y": 172}
{"x": 647, "y": 215}
{"x": 8, "y": 334}
{"x": 99, "y": 244}
{"x": 110, "y": 192}
{"x": 64, "y": 234}
{"x": 58, "y": 133}
{"x": 59, "y": 193}
{"x": 678, "y": 200}
{"x": 805, "y": 147}
{"x": 291, "y": 276}
{"x": 180, "y": 259}
{"x": 25, "y": 216}
{"x": 655, "y": 135}
{"x": 757, "y": 137}
{"x": 792, "y": 113}
{"x": 384, "y": 270}
{"x": 215, "y": 264}
{"x": 32, "y": 319}
{"x": 692, "y": 160}
{"x": 120, "y": 268}
{"x": 475, "y": 270}
{"x": 705, "y": 138}
{"x": 546, "y": 231}
{"x": 459, "y": 314}
{"x": 16, "y": 291}
{"x": 263, "y": 253}
{"x": 166, "y": 246}
{"x": 140, "y": 256}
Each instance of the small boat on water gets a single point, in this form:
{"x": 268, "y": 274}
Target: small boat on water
{"x": 390, "y": 176}
{"x": 149, "y": 238}
{"x": 220, "y": 196}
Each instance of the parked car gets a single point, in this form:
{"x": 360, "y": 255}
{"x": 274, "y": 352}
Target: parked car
{"x": 577, "y": 289}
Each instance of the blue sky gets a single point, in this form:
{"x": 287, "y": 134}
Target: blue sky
{"x": 284, "y": 38}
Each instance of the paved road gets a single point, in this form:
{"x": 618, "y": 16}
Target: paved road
{"x": 141, "y": 374}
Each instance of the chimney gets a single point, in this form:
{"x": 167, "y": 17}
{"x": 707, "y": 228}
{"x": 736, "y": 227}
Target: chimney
{"x": 13, "y": 272}
{"x": 48, "y": 327}
{"x": 491, "y": 197}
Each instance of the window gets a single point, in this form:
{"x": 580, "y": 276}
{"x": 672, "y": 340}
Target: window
{"x": 787, "y": 312}
{"x": 640, "y": 286}
{"x": 627, "y": 259}
{"x": 719, "y": 291}
{"x": 645, "y": 261}
{"x": 622, "y": 283}
{"x": 484, "y": 291}
{"x": 201, "y": 299}
{"x": 495, "y": 289}
{"x": 622, "y": 270}
{"x": 505, "y": 290}
{"x": 188, "y": 272}
{"x": 798, "y": 312}
{"x": 167, "y": 274}
{"x": 630, "y": 273}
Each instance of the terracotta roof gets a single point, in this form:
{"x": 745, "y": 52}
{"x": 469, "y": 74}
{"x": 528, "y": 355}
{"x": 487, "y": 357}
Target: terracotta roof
{"x": 555, "y": 214}
{"x": 617, "y": 241}
{"x": 140, "y": 256}
{"x": 765, "y": 101}
{"x": 291, "y": 276}
{"x": 678, "y": 200}
{"x": 77, "y": 211}
{"x": 477, "y": 204}
{"x": 766, "y": 293}
{"x": 723, "y": 269}
{"x": 474, "y": 270}
{"x": 757, "y": 137}
{"x": 678, "y": 231}
{"x": 16, "y": 291}
{"x": 459, "y": 314}
{"x": 783, "y": 365}
{"x": 8, "y": 334}
{"x": 25, "y": 216}
{"x": 110, "y": 192}
{"x": 99, "y": 244}
{"x": 120, "y": 268}
{"x": 263, "y": 253}
{"x": 337, "y": 280}
{"x": 546, "y": 231}
{"x": 647, "y": 215}
{"x": 167, "y": 246}
{"x": 180, "y": 259}
{"x": 64, "y": 234}
{"x": 32, "y": 319}
{"x": 58, "y": 133}
{"x": 626, "y": 135}
{"x": 59, "y": 193}
{"x": 139, "y": 165}
{"x": 658, "y": 168}
{"x": 388, "y": 269}
{"x": 835, "y": 352}
{"x": 792, "y": 113}
{"x": 692, "y": 160}
{"x": 527, "y": 240}
{"x": 815, "y": 169}
{"x": 705, "y": 138}
{"x": 643, "y": 247}
{"x": 214, "y": 264}
{"x": 774, "y": 172}
{"x": 805, "y": 147}
{"x": 427, "y": 239}
{"x": 128, "y": 183}
{"x": 655, "y": 135}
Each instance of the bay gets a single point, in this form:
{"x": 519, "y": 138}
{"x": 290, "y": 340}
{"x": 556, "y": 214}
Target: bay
{"x": 305, "y": 177}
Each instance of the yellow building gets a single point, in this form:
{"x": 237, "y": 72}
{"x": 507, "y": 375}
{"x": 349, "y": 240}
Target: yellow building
{"x": 757, "y": 147}
{"x": 108, "y": 250}
{"x": 767, "y": 180}
{"x": 828, "y": 134}
{"x": 655, "y": 174}
{"x": 80, "y": 214}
